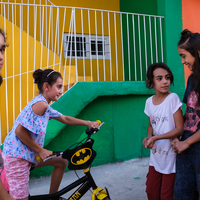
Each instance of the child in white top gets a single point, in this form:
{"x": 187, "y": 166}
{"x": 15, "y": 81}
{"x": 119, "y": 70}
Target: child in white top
{"x": 26, "y": 139}
{"x": 165, "y": 123}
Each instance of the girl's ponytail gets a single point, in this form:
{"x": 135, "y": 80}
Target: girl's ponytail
{"x": 37, "y": 76}
{"x": 185, "y": 37}
{"x": 186, "y": 33}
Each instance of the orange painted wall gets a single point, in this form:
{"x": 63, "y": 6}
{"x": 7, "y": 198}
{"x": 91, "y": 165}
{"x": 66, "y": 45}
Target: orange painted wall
{"x": 191, "y": 18}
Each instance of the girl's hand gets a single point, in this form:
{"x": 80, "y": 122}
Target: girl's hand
{"x": 145, "y": 141}
{"x": 150, "y": 142}
{"x": 173, "y": 143}
{"x": 93, "y": 124}
{"x": 44, "y": 153}
{"x": 179, "y": 146}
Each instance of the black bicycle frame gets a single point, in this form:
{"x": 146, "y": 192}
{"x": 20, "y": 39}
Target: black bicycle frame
{"x": 86, "y": 181}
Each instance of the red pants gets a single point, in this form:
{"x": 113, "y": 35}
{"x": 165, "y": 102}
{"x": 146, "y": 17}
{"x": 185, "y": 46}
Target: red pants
{"x": 159, "y": 186}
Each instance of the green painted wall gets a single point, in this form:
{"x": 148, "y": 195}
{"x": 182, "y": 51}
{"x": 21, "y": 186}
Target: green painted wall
{"x": 142, "y": 45}
{"x": 143, "y": 50}
{"x": 143, "y": 6}
{"x": 172, "y": 27}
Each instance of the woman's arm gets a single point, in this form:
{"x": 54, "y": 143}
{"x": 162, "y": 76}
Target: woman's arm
{"x": 23, "y": 134}
{"x": 74, "y": 121}
{"x": 180, "y": 146}
{"x": 193, "y": 139}
{"x": 176, "y": 132}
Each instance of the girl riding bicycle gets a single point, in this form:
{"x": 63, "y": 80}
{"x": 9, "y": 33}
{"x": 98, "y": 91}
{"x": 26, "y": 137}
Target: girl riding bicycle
{"x": 26, "y": 139}
{"x": 165, "y": 123}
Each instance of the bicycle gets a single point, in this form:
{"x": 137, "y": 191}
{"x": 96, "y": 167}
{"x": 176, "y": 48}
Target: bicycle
{"x": 79, "y": 157}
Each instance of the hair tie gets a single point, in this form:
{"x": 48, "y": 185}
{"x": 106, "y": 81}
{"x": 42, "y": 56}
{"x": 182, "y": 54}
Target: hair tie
{"x": 50, "y": 73}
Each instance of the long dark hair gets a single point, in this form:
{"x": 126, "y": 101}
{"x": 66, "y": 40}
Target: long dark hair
{"x": 191, "y": 42}
{"x": 150, "y": 70}
{"x": 4, "y": 36}
{"x": 48, "y": 75}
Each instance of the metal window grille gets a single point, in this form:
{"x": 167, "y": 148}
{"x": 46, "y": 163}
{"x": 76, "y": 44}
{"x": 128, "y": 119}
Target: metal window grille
{"x": 86, "y": 46}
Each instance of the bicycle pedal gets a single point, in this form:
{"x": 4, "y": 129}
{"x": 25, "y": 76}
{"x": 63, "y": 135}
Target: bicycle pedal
{"x": 99, "y": 194}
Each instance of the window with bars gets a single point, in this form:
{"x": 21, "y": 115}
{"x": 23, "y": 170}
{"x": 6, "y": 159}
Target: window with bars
{"x": 86, "y": 46}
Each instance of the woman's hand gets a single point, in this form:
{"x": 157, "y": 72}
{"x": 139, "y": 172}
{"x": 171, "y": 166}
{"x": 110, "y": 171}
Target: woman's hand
{"x": 179, "y": 146}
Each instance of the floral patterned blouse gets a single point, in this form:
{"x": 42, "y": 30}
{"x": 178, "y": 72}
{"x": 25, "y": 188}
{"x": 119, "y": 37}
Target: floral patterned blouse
{"x": 36, "y": 125}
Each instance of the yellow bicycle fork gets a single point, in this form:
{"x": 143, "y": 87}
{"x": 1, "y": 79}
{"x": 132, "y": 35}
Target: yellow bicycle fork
{"x": 98, "y": 193}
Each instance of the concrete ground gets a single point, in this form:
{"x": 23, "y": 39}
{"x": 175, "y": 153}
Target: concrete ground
{"x": 124, "y": 180}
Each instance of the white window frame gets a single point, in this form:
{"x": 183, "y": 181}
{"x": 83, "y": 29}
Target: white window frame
{"x": 89, "y": 53}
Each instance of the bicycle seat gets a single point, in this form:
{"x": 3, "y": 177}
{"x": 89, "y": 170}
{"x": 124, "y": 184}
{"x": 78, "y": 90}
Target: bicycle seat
{"x": 81, "y": 156}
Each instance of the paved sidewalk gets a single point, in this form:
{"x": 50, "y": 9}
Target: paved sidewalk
{"x": 124, "y": 180}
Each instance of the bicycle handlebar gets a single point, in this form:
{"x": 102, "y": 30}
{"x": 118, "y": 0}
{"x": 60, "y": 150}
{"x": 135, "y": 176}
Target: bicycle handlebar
{"x": 53, "y": 155}
{"x": 88, "y": 131}
{"x": 91, "y": 131}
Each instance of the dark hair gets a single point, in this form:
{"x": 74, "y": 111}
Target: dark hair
{"x": 48, "y": 75}
{"x": 4, "y": 36}
{"x": 1, "y": 79}
{"x": 191, "y": 42}
{"x": 152, "y": 68}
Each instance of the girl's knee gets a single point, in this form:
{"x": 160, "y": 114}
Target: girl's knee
{"x": 62, "y": 163}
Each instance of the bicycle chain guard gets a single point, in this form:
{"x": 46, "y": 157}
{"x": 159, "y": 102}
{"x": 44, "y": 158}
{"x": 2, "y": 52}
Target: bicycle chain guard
{"x": 81, "y": 156}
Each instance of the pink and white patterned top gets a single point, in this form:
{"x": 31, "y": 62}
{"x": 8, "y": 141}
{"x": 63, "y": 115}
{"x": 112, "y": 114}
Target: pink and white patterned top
{"x": 35, "y": 124}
